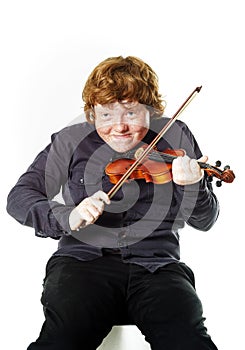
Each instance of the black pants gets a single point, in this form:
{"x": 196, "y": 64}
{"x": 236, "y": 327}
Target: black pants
{"x": 83, "y": 300}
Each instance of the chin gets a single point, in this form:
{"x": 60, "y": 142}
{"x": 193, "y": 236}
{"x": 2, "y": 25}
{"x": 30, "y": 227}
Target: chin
{"x": 121, "y": 148}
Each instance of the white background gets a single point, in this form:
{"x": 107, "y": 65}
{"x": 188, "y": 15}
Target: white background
{"x": 48, "y": 48}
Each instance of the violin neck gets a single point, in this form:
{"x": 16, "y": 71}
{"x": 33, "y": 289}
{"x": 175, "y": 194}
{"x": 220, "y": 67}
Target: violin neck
{"x": 168, "y": 158}
{"x": 161, "y": 157}
{"x": 204, "y": 165}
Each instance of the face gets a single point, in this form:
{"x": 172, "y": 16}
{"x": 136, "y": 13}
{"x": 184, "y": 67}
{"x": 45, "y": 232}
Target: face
{"x": 122, "y": 125}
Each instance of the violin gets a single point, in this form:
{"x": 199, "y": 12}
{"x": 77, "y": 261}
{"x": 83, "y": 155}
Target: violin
{"x": 154, "y": 166}
{"x": 157, "y": 167}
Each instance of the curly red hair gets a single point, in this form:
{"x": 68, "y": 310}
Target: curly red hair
{"x": 118, "y": 79}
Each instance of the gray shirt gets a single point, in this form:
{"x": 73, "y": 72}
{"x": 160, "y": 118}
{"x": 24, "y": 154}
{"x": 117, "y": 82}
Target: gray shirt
{"x": 143, "y": 221}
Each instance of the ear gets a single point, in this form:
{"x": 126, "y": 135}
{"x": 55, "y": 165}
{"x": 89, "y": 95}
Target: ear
{"x": 91, "y": 117}
{"x": 89, "y": 114}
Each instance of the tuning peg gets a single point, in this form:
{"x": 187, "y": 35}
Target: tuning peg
{"x": 218, "y": 163}
{"x": 219, "y": 183}
{"x": 210, "y": 178}
{"x": 227, "y": 167}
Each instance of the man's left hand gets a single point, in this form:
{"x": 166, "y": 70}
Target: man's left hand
{"x": 186, "y": 171}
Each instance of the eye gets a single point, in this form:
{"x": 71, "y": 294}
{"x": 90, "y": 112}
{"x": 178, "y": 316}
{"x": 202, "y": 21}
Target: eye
{"x": 105, "y": 115}
{"x": 131, "y": 114}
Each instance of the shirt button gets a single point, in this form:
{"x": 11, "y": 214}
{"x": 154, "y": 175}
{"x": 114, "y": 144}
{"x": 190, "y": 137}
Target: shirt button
{"x": 122, "y": 235}
{"x": 122, "y": 239}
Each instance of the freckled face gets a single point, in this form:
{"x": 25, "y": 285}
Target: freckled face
{"x": 122, "y": 125}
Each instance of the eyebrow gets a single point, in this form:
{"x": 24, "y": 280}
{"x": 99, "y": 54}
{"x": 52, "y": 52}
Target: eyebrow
{"x": 110, "y": 109}
{"x": 130, "y": 104}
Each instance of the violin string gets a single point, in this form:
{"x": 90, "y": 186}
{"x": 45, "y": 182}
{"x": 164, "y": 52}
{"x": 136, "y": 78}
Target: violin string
{"x": 158, "y": 156}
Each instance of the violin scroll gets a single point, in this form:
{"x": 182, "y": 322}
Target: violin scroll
{"x": 226, "y": 175}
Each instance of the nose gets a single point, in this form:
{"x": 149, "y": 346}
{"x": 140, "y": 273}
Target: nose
{"x": 120, "y": 125}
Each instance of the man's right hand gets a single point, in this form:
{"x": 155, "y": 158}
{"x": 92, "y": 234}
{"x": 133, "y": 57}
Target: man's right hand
{"x": 88, "y": 211}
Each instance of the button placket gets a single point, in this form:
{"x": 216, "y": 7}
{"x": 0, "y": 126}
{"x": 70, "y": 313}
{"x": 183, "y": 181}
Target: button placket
{"x": 122, "y": 239}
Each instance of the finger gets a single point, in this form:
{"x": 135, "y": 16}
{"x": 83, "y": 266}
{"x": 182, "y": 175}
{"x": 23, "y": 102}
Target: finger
{"x": 176, "y": 165}
{"x": 90, "y": 207}
{"x": 95, "y": 207}
{"x": 203, "y": 159}
{"x": 185, "y": 164}
{"x": 86, "y": 215}
{"x": 194, "y": 166}
{"x": 89, "y": 212}
{"x": 181, "y": 165}
{"x": 101, "y": 196}
{"x": 80, "y": 217}
{"x": 178, "y": 171}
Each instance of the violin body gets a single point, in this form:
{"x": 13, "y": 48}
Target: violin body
{"x": 158, "y": 172}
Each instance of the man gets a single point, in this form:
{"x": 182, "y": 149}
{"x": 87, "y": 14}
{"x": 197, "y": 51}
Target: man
{"x": 118, "y": 258}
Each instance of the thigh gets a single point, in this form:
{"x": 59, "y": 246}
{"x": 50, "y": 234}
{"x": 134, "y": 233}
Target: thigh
{"x": 166, "y": 308}
{"x": 82, "y": 300}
